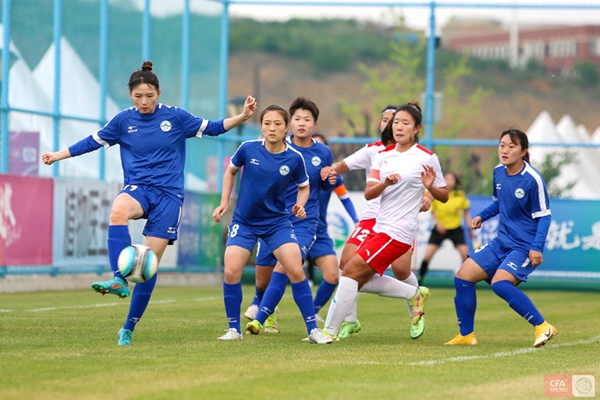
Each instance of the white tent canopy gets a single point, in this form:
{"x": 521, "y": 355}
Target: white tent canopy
{"x": 584, "y": 171}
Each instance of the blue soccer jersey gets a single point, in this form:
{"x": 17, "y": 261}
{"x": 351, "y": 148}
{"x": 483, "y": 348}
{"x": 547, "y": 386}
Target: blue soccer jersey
{"x": 152, "y": 145}
{"x": 316, "y": 156}
{"x": 521, "y": 200}
{"x": 265, "y": 181}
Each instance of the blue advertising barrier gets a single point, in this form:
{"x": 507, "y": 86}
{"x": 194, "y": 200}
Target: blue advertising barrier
{"x": 573, "y": 243}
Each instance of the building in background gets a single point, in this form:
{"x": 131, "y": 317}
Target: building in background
{"x": 558, "y": 47}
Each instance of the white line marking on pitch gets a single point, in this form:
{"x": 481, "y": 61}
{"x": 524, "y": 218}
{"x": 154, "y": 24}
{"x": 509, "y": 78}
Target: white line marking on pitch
{"x": 99, "y": 305}
{"x": 525, "y": 350}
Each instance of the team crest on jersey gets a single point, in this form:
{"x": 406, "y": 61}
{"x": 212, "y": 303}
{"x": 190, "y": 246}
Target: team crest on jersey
{"x": 165, "y": 126}
{"x": 519, "y": 193}
{"x": 284, "y": 170}
{"x": 316, "y": 161}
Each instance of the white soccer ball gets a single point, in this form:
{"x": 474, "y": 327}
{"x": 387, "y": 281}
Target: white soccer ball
{"x": 137, "y": 263}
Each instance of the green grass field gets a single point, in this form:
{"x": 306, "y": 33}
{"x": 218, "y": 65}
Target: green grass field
{"x": 62, "y": 345}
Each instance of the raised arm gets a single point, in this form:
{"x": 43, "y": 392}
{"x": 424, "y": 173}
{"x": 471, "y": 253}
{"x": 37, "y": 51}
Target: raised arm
{"x": 249, "y": 108}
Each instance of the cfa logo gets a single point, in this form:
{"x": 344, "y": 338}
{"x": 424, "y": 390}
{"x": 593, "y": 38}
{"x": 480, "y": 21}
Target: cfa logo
{"x": 316, "y": 161}
{"x": 558, "y": 383}
{"x": 569, "y": 385}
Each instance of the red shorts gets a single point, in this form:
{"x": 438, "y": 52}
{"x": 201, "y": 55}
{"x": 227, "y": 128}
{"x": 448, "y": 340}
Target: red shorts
{"x": 380, "y": 251}
{"x": 361, "y": 232}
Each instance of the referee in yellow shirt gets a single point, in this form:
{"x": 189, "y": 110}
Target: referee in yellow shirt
{"x": 448, "y": 223}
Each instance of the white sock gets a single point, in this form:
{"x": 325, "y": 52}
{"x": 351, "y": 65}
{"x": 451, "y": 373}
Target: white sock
{"x": 387, "y": 286}
{"x": 345, "y": 296}
{"x": 413, "y": 281}
{"x": 351, "y": 317}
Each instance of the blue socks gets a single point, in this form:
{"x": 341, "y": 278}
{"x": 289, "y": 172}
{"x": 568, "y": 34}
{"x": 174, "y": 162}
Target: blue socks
{"x": 258, "y": 296}
{"x": 232, "y": 295}
{"x": 272, "y": 296}
{"x": 465, "y": 302}
{"x": 139, "y": 301}
{"x": 518, "y": 301}
{"x": 324, "y": 293}
{"x": 304, "y": 301}
{"x": 118, "y": 239}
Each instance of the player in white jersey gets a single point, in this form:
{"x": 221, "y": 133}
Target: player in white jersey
{"x": 152, "y": 141}
{"x": 384, "y": 285}
{"x": 270, "y": 165}
{"x": 521, "y": 200}
{"x": 399, "y": 176}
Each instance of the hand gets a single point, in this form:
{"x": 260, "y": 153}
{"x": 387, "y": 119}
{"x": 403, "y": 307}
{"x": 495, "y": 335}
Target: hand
{"x": 332, "y": 177}
{"x": 299, "y": 211}
{"x": 535, "y": 257}
{"x": 476, "y": 223}
{"x": 249, "y": 107}
{"x": 325, "y": 171}
{"x": 49, "y": 157}
{"x": 425, "y": 204}
{"x": 219, "y": 212}
{"x": 428, "y": 176}
{"x": 392, "y": 179}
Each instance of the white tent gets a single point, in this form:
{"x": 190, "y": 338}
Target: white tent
{"x": 586, "y": 161}
{"x": 79, "y": 97}
{"x": 543, "y": 130}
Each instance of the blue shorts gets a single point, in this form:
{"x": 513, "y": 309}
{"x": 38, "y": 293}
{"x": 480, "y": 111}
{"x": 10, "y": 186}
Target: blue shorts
{"x": 323, "y": 246}
{"x": 246, "y": 236}
{"x": 305, "y": 234}
{"x": 161, "y": 209}
{"x": 494, "y": 256}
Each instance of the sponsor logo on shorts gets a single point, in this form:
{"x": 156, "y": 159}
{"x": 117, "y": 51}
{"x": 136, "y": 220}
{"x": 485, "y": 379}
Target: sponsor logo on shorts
{"x": 512, "y": 265}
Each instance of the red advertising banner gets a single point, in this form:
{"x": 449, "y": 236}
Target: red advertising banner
{"x": 25, "y": 220}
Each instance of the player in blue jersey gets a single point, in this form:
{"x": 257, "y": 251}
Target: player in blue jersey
{"x": 270, "y": 165}
{"x": 521, "y": 200}
{"x": 304, "y": 118}
{"x": 152, "y": 138}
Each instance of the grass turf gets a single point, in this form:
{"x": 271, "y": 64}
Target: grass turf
{"x": 62, "y": 345}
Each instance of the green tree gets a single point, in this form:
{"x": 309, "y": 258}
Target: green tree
{"x": 550, "y": 170}
{"x": 587, "y": 74}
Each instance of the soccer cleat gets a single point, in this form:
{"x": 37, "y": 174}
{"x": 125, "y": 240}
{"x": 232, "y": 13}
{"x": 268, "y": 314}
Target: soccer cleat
{"x": 116, "y": 286}
{"x": 543, "y": 333}
{"x": 124, "y": 336}
{"x": 232, "y": 334}
{"x": 417, "y": 303}
{"x": 271, "y": 325}
{"x": 469, "y": 339}
{"x": 251, "y": 312}
{"x": 349, "y": 328}
{"x": 318, "y": 336}
{"x": 418, "y": 329}
{"x": 253, "y": 327}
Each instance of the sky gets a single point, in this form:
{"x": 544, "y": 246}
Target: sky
{"x": 416, "y": 17}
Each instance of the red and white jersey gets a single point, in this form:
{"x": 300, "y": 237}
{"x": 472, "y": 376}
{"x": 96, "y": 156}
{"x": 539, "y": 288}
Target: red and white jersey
{"x": 363, "y": 159}
{"x": 400, "y": 203}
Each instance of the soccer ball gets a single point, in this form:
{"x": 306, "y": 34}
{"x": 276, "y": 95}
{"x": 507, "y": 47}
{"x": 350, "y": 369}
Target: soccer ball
{"x": 137, "y": 263}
